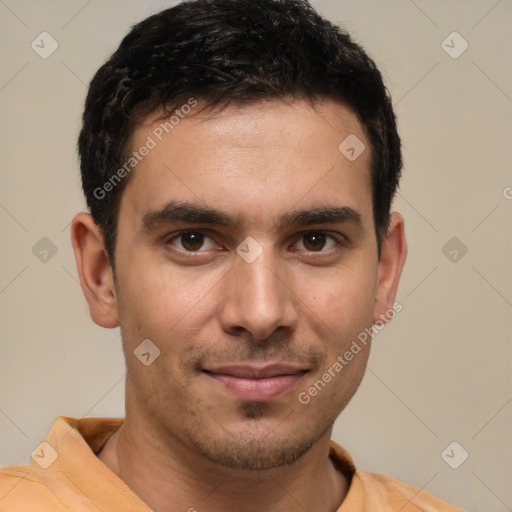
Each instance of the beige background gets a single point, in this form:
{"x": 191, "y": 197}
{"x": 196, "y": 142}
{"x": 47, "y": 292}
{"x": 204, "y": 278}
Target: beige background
{"x": 440, "y": 372}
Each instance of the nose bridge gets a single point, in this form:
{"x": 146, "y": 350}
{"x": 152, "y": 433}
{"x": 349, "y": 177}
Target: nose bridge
{"x": 257, "y": 299}
{"x": 258, "y": 278}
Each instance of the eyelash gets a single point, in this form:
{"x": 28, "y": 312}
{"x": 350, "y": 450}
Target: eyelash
{"x": 339, "y": 242}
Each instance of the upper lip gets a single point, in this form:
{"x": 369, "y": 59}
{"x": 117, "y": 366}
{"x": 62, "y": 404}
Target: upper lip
{"x": 249, "y": 371}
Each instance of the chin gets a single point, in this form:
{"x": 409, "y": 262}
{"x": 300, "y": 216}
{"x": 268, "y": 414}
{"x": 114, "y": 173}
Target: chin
{"x": 255, "y": 446}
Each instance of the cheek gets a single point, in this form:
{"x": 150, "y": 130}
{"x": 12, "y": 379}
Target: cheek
{"x": 158, "y": 302}
{"x": 343, "y": 302}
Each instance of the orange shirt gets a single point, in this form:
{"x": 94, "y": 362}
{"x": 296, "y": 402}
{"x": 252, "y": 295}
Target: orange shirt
{"x": 65, "y": 475}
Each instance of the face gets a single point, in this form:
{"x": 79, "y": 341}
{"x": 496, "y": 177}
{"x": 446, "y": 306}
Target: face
{"x": 246, "y": 253}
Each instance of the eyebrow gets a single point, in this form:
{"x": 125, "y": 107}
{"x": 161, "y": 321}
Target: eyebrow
{"x": 193, "y": 213}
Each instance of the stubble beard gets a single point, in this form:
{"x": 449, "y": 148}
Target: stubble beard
{"x": 257, "y": 448}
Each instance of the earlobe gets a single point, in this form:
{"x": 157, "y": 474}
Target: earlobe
{"x": 392, "y": 259}
{"x": 94, "y": 270}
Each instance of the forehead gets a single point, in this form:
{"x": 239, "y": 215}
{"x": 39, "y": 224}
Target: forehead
{"x": 257, "y": 159}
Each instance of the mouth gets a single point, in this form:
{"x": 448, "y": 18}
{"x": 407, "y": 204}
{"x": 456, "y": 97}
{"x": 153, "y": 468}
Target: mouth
{"x": 257, "y": 383}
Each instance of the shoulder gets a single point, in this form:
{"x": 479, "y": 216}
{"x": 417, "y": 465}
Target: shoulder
{"x": 22, "y": 488}
{"x": 69, "y": 449}
{"x": 381, "y": 489}
{"x": 372, "y": 491}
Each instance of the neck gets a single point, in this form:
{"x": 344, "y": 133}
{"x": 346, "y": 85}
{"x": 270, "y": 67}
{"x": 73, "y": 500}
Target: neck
{"x": 167, "y": 475}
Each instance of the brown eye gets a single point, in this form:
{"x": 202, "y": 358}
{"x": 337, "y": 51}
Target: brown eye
{"x": 314, "y": 241}
{"x": 317, "y": 241}
{"x": 190, "y": 241}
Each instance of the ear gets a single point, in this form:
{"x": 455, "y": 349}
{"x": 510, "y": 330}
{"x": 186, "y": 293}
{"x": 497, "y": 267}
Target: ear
{"x": 94, "y": 270}
{"x": 392, "y": 259}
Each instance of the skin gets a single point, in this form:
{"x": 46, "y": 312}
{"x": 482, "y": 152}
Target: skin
{"x": 187, "y": 440}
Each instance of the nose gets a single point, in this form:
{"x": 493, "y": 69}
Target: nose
{"x": 259, "y": 298}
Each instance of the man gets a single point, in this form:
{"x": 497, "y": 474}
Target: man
{"x": 239, "y": 159}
